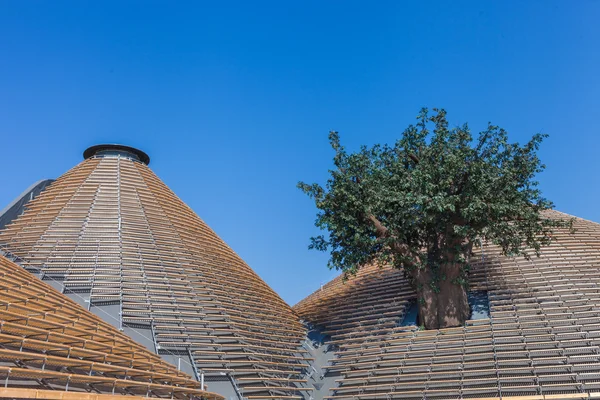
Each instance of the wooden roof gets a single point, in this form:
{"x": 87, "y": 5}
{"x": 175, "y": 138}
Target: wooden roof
{"x": 48, "y": 342}
{"x": 111, "y": 229}
{"x": 542, "y": 340}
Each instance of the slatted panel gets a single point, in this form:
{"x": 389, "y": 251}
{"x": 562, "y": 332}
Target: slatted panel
{"x": 47, "y": 341}
{"x": 542, "y": 340}
{"x": 119, "y": 234}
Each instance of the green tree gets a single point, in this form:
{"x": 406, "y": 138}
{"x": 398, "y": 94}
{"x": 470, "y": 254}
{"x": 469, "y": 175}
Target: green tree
{"x": 422, "y": 204}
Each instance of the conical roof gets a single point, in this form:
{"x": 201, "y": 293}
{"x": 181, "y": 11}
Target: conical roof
{"x": 52, "y": 348}
{"x": 539, "y": 340}
{"x": 111, "y": 235}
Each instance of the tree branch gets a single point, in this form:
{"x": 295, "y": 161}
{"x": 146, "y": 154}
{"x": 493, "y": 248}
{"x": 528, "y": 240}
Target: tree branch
{"x": 413, "y": 157}
{"x": 380, "y": 229}
{"x": 383, "y": 232}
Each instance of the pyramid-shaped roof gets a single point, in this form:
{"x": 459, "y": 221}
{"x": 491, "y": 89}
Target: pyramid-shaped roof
{"x": 112, "y": 236}
{"x": 51, "y": 348}
{"x": 541, "y": 339}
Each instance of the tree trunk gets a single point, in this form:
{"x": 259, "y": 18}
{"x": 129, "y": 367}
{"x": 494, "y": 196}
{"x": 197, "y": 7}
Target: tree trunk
{"x": 447, "y": 308}
{"x": 428, "y": 304}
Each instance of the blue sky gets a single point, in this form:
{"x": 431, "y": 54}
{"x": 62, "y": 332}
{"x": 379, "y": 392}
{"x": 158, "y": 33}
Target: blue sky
{"x": 233, "y": 100}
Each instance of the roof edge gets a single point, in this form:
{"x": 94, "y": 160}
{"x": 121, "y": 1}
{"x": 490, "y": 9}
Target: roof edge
{"x": 92, "y": 151}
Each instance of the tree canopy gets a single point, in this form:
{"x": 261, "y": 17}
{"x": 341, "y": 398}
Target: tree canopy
{"x": 422, "y": 203}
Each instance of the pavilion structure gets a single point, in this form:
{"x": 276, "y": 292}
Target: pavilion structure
{"x": 111, "y": 286}
{"x": 535, "y": 337}
{"x": 111, "y": 236}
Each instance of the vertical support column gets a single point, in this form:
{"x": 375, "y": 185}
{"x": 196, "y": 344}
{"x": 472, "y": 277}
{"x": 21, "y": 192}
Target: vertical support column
{"x": 199, "y": 376}
{"x": 156, "y": 345}
{"x": 120, "y": 243}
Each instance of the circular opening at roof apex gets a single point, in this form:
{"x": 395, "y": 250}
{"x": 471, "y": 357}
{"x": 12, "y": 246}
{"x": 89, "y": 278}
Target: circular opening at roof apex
{"x": 114, "y": 149}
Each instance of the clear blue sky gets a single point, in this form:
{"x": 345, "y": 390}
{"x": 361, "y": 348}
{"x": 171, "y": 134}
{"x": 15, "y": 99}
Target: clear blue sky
{"x": 233, "y": 101}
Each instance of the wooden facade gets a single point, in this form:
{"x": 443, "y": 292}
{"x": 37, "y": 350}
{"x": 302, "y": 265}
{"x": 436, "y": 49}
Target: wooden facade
{"x": 118, "y": 240}
{"x": 541, "y": 340}
{"x": 50, "y": 348}
{"x": 150, "y": 301}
